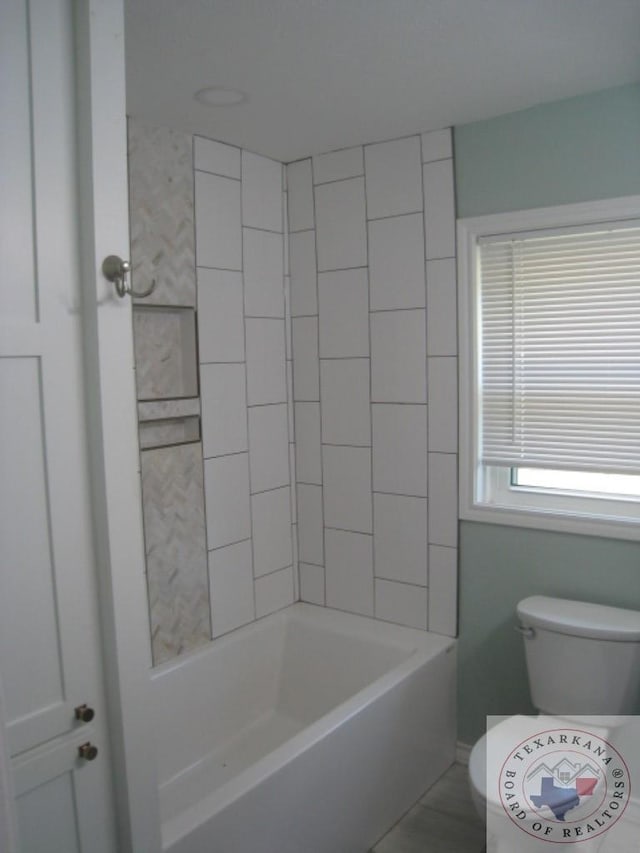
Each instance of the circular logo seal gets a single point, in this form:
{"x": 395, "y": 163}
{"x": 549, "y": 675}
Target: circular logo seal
{"x": 564, "y": 785}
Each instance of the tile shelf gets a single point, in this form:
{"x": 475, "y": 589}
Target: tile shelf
{"x": 165, "y": 432}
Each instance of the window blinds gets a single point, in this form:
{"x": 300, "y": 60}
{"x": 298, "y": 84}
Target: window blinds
{"x": 560, "y": 349}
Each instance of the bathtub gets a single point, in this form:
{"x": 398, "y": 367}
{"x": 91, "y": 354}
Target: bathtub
{"x": 309, "y": 731}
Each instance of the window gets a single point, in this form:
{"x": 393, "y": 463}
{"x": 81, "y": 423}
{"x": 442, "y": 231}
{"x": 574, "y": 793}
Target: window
{"x": 550, "y": 367}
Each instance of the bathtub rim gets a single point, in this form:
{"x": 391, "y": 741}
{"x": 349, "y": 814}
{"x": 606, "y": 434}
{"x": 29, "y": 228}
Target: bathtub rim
{"x": 421, "y": 647}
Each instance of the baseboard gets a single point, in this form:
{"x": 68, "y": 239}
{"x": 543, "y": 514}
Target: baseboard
{"x": 463, "y": 751}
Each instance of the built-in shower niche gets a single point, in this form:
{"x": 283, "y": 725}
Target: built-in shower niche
{"x": 166, "y": 352}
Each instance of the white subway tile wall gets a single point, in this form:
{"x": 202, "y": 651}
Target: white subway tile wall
{"x": 271, "y": 515}
{"x": 350, "y": 310}
{"x": 268, "y": 447}
{"x": 396, "y": 262}
{"x": 262, "y": 261}
{"x": 341, "y": 232}
{"x": 346, "y": 473}
{"x": 349, "y": 571}
{"x": 400, "y": 538}
{"x": 304, "y": 291}
{"x": 310, "y": 524}
{"x": 226, "y": 488}
{"x": 218, "y": 222}
{"x": 337, "y": 165}
{"x": 374, "y": 351}
{"x": 274, "y": 591}
{"x": 343, "y": 299}
{"x": 306, "y": 368}
{"x": 344, "y": 389}
{"x": 245, "y": 362}
{"x": 330, "y": 283}
{"x": 266, "y": 370}
{"x": 308, "y": 443}
{"x": 231, "y": 587}
{"x": 300, "y": 196}
{"x": 399, "y": 449}
{"x": 312, "y": 583}
{"x": 220, "y": 316}
{"x": 216, "y": 157}
{"x": 401, "y": 603}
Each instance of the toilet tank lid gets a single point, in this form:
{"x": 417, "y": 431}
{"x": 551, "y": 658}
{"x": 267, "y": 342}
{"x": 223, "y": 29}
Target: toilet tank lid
{"x": 580, "y": 619}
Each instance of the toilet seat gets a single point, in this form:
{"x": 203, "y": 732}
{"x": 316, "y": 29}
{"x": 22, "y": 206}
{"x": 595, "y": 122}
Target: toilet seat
{"x": 485, "y": 765}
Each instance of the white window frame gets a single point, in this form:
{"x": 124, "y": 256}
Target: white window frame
{"x": 532, "y": 508}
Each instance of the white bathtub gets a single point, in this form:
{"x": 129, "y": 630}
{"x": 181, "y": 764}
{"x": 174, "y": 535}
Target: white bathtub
{"x": 309, "y": 731}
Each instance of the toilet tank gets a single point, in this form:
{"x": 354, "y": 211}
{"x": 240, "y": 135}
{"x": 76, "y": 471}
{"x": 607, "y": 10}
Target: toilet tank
{"x": 582, "y": 658}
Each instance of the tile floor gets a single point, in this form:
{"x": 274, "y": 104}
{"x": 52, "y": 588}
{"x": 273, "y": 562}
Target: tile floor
{"x": 444, "y": 820}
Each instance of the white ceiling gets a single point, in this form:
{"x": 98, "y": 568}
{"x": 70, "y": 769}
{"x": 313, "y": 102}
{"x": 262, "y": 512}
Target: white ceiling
{"x": 325, "y": 74}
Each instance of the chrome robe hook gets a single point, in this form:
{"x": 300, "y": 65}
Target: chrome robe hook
{"x": 114, "y": 269}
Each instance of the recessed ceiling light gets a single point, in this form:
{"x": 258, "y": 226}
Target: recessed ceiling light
{"x": 216, "y": 96}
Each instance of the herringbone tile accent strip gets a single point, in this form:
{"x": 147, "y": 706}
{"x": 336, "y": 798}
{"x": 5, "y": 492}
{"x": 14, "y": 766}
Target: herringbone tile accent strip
{"x": 161, "y": 205}
{"x": 176, "y": 549}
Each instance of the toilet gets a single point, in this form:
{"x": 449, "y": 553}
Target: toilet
{"x": 583, "y": 663}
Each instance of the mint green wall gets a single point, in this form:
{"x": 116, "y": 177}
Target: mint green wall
{"x": 575, "y": 150}
{"x": 567, "y": 151}
{"x": 499, "y": 566}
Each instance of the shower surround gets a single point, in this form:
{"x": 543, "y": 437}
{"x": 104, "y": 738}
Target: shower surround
{"x": 327, "y": 398}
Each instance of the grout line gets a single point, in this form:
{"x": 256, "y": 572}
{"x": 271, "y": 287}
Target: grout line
{"x": 246, "y": 386}
{"x": 272, "y": 489}
{"x": 263, "y": 230}
{"x": 397, "y": 138}
{"x": 272, "y": 572}
{"x": 396, "y": 310}
{"x": 228, "y": 544}
{"x": 437, "y": 160}
{"x": 341, "y": 269}
{"x": 403, "y": 583}
{"x": 373, "y": 547}
{"x": 265, "y": 405}
{"x": 317, "y": 274}
{"x": 399, "y": 494}
{"x": 199, "y": 379}
{"x": 345, "y": 358}
{"x": 349, "y": 530}
{"x": 343, "y": 444}
{"x": 300, "y": 231}
{"x": 287, "y": 283}
{"x": 335, "y": 180}
{"x": 276, "y": 318}
{"x": 395, "y": 215}
{"x": 219, "y": 269}
{"x": 230, "y": 453}
{"x": 215, "y": 174}
{"x": 426, "y": 349}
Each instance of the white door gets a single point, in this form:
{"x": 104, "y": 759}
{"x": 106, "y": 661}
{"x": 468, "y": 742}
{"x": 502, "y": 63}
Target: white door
{"x": 50, "y": 661}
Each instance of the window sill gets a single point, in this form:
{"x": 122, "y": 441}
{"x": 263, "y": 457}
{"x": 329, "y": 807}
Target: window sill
{"x": 561, "y": 522}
